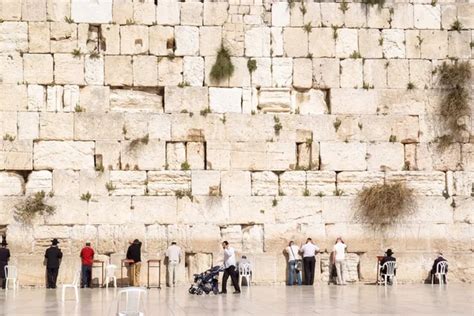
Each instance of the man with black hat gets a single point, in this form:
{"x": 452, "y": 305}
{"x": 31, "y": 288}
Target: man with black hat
{"x": 387, "y": 258}
{"x": 4, "y": 257}
{"x": 53, "y": 256}
{"x": 134, "y": 254}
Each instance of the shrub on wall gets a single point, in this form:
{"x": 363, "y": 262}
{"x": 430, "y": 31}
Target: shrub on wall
{"x": 384, "y": 204}
{"x": 223, "y": 67}
{"x": 31, "y": 207}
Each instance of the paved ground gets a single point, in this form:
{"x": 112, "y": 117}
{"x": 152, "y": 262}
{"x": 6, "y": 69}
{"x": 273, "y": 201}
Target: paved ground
{"x": 455, "y": 299}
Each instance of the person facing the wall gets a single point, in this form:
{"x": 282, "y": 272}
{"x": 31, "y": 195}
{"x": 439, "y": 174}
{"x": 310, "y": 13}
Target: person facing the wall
{"x": 173, "y": 253}
{"x": 4, "y": 258}
{"x": 134, "y": 254}
{"x": 229, "y": 269}
{"x": 339, "y": 257}
{"x": 294, "y": 263}
{"x": 309, "y": 251}
{"x": 439, "y": 259}
{"x": 87, "y": 260}
{"x": 53, "y": 256}
{"x": 387, "y": 258}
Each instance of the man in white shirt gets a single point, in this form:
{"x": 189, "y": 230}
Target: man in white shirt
{"x": 229, "y": 269}
{"x": 309, "y": 251}
{"x": 173, "y": 253}
{"x": 294, "y": 257}
{"x": 339, "y": 260}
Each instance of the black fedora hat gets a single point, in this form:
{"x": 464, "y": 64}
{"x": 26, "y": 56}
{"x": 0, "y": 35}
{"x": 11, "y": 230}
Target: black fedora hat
{"x": 389, "y": 252}
{"x": 55, "y": 241}
{"x": 4, "y": 243}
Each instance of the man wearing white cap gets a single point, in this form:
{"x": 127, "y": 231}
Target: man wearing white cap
{"x": 173, "y": 253}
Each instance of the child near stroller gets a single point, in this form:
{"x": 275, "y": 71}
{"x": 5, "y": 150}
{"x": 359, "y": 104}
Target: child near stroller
{"x": 206, "y": 281}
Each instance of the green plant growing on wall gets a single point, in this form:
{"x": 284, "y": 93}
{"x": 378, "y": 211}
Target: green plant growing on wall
{"x": 76, "y": 53}
{"x": 308, "y": 27}
{"x": 392, "y": 139}
{"x": 32, "y": 206}
{"x": 223, "y": 67}
{"x": 86, "y": 197}
{"x": 79, "y": 108}
{"x": 355, "y": 55}
{"x": 277, "y": 126}
{"x": 384, "y": 204}
{"x": 185, "y": 166}
{"x": 94, "y": 54}
{"x": 68, "y": 20}
{"x": 303, "y": 8}
{"x": 182, "y": 193}
{"x": 137, "y": 141}
{"x": 306, "y": 192}
{"x": 274, "y": 202}
{"x": 344, "y": 6}
{"x": 205, "y": 112}
{"x": 456, "y": 26}
{"x": 252, "y": 65}
{"x": 411, "y": 86}
{"x": 334, "y": 31}
{"x": 380, "y": 3}
{"x": 8, "y": 137}
{"x": 110, "y": 186}
{"x": 337, "y": 123}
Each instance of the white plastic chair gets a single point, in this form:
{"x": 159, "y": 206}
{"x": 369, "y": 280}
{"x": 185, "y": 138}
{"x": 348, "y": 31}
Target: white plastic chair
{"x": 441, "y": 273}
{"x": 389, "y": 268}
{"x": 74, "y": 285}
{"x": 110, "y": 275}
{"x": 130, "y": 302}
{"x": 11, "y": 274}
{"x": 245, "y": 272}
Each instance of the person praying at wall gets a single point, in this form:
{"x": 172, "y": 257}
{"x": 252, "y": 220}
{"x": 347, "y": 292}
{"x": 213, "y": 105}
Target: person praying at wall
{"x": 4, "y": 258}
{"x": 134, "y": 254}
{"x": 53, "y": 256}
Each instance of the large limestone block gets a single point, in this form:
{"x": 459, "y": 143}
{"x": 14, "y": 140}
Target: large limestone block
{"x": 167, "y": 12}
{"x": 159, "y": 36}
{"x": 378, "y": 17}
{"x": 63, "y": 37}
{"x": 262, "y": 76}
{"x": 265, "y": 183}
{"x": 375, "y": 73}
{"x": 145, "y": 71}
{"x": 346, "y": 43}
{"x": 94, "y": 70}
{"x": 133, "y": 39}
{"x": 428, "y": 157}
{"x": 302, "y": 78}
{"x": 118, "y": 70}
{"x": 210, "y": 40}
{"x": 16, "y": 155}
{"x": 91, "y": 11}
{"x": 33, "y": 10}
{"x": 337, "y": 209}
{"x": 9, "y": 125}
{"x": 321, "y": 183}
{"x": 154, "y": 209}
{"x": 422, "y": 182}
{"x": 195, "y": 154}
{"x": 355, "y": 16}
{"x": 276, "y": 41}
{"x": 56, "y": 126}
{"x": 11, "y": 184}
{"x": 94, "y": 182}
{"x": 282, "y": 72}
{"x": 280, "y": 14}
{"x": 36, "y": 98}
{"x": 58, "y": 9}
{"x": 191, "y": 13}
{"x": 298, "y": 210}
{"x": 95, "y": 126}
{"x": 253, "y": 239}
{"x": 95, "y": 98}
{"x": 274, "y": 100}
{"x": 463, "y": 211}
{"x": 13, "y": 97}
{"x": 257, "y": 42}
{"x": 175, "y": 155}
{"x": 168, "y": 182}
{"x": 326, "y": 72}
{"x": 223, "y": 100}
{"x": 65, "y": 182}
{"x": 398, "y": 74}
{"x": 110, "y": 151}
{"x": 203, "y": 209}
{"x": 420, "y": 73}
{"x": 331, "y": 14}
{"x": 343, "y": 156}
{"x": 459, "y": 44}
{"x": 310, "y": 102}
{"x": 68, "y": 69}
{"x": 350, "y": 183}
{"x": 353, "y": 101}
{"x": 293, "y": 183}
{"x": 149, "y": 156}
{"x": 109, "y": 210}
{"x": 39, "y": 181}
{"x": 427, "y": 16}
{"x": 435, "y": 44}
{"x": 322, "y": 42}
{"x": 432, "y": 209}
{"x": 250, "y": 210}
{"x": 110, "y": 37}
{"x": 263, "y": 156}
{"x": 135, "y": 100}
{"x": 193, "y": 71}
{"x": 351, "y": 73}
{"x": 39, "y": 37}
{"x": 63, "y": 155}
{"x": 295, "y": 42}
{"x": 128, "y": 182}
{"x": 385, "y": 156}
{"x": 38, "y": 68}
{"x": 465, "y": 13}
{"x": 187, "y": 40}
{"x": 190, "y": 99}
{"x": 144, "y": 12}
{"x": 236, "y": 183}
{"x": 369, "y": 43}
{"x": 197, "y": 128}
{"x": 10, "y": 10}
{"x": 14, "y": 37}
{"x": 205, "y": 182}
{"x": 467, "y": 153}
{"x": 233, "y": 234}
{"x": 11, "y": 68}
{"x": 122, "y": 10}
{"x": 170, "y": 72}
{"x": 402, "y": 17}
{"x": 68, "y": 211}
{"x": 28, "y": 125}
{"x": 393, "y": 43}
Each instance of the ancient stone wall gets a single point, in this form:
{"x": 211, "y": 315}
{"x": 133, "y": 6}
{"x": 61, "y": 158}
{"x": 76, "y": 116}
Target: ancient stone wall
{"x": 114, "y": 98}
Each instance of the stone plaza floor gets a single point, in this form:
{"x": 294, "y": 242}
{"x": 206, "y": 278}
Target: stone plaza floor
{"x": 454, "y": 299}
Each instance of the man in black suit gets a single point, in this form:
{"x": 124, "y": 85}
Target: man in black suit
{"x": 4, "y": 257}
{"x": 439, "y": 259}
{"x": 388, "y": 257}
{"x": 53, "y": 258}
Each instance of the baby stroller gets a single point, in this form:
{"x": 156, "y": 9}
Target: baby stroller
{"x": 206, "y": 282}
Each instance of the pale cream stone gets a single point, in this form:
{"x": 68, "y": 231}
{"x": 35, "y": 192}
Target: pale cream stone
{"x": 16, "y": 155}
{"x": 235, "y": 183}
{"x": 167, "y": 12}
{"x": 191, "y": 13}
{"x": 190, "y": 99}
{"x": 434, "y": 45}
{"x": 420, "y": 73}
{"x": 38, "y": 68}
{"x": 11, "y": 184}
{"x": 175, "y": 155}
{"x": 145, "y": 210}
{"x": 465, "y": 13}
{"x": 8, "y": 125}
{"x": 98, "y": 126}
{"x": 355, "y": 16}
{"x": 112, "y": 210}
{"x": 463, "y": 211}
{"x": 459, "y": 44}
{"x": 63, "y": 155}
{"x": 122, "y": 10}
{"x": 463, "y": 183}
{"x": 302, "y": 78}
{"x": 377, "y": 17}
{"x": 110, "y": 37}
{"x": 39, "y": 37}
{"x": 39, "y": 181}
{"x": 233, "y": 40}
{"x": 369, "y": 43}
{"x": 133, "y": 39}
{"x": 205, "y": 182}
{"x": 187, "y": 40}
{"x": 385, "y": 156}
{"x": 375, "y": 73}
{"x": 33, "y": 10}
{"x": 63, "y": 37}
{"x": 282, "y": 70}
{"x": 296, "y": 16}
{"x": 110, "y": 151}
{"x": 322, "y": 42}
{"x": 351, "y": 73}
{"x": 168, "y": 182}
{"x": 135, "y": 126}
{"x": 170, "y": 71}
{"x": 11, "y": 68}
{"x": 145, "y": 71}
{"x": 65, "y": 182}
{"x": 10, "y": 10}
{"x": 326, "y": 72}
{"x": 295, "y": 42}
{"x": 413, "y": 47}
{"x": 467, "y": 153}
{"x": 54, "y": 98}
{"x": 94, "y": 70}
{"x": 36, "y": 98}
{"x": 274, "y": 100}
{"x": 343, "y": 156}
{"x": 128, "y": 182}
{"x": 276, "y": 41}
{"x": 257, "y": 42}
{"x": 57, "y": 10}
{"x": 28, "y": 125}
{"x": 402, "y": 16}
{"x": 280, "y": 14}
{"x": 398, "y": 73}
{"x": 262, "y": 76}
{"x": 331, "y": 15}
{"x": 310, "y": 102}
{"x": 210, "y": 40}
{"x": 144, "y": 12}
{"x": 149, "y": 156}
{"x": 423, "y": 183}
{"x": 427, "y": 16}
{"x": 313, "y": 14}
{"x": 265, "y": 183}
{"x": 352, "y": 182}
{"x": 14, "y": 37}
{"x": 293, "y": 183}
{"x": 195, "y": 152}
{"x": 68, "y": 69}
{"x": 91, "y": 11}
{"x": 393, "y": 43}
{"x": 70, "y": 98}
{"x": 321, "y": 182}
{"x": 223, "y": 100}
{"x": 346, "y": 42}
{"x": 193, "y": 71}
{"x": 136, "y": 101}
{"x": 118, "y": 70}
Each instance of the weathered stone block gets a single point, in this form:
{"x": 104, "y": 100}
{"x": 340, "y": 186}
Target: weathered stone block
{"x": 321, "y": 182}
{"x": 95, "y": 126}
{"x": 353, "y": 101}
{"x": 251, "y": 210}
{"x": 39, "y": 181}
{"x": 393, "y": 43}
{"x": 223, "y": 100}
{"x": 110, "y": 210}
{"x": 89, "y": 11}
{"x": 295, "y": 42}
{"x": 56, "y": 126}
{"x": 187, "y": 40}
{"x": 63, "y": 37}
{"x": 427, "y": 16}
{"x": 191, "y": 13}
{"x": 331, "y": 14}
{"x": 154, "y": 209}
{"x": 128, "y": 182}
{"x": 14, "y": 37}
{"x": 459, "y": 44}
{"x": 235, "y": 183}
{"x": 369, "y": 43}
{"x": 257, "y": 42}
{"x": 38, "y": 68}
{"x": 343, "y": 156}
{"x": 39, "y": 41}
{"x": 326, "y": 72}
{"x": 190, "y": 99}
{"x": 310, "y": 102}
{"x": 193, "y": 71}
{"x": 11, "y": 184}
{"x": 110, "y": 38}
{"x": 434, "y": 45}
{"x": 63, "y": 155}
{"x": 168, "y": 182}
{"x": 378, "y": 17}
{"x": 167, "y": 12}
{"x": 58, "y": 9}
{"x": 262, "y": 76}
{"x": 350, "y": 183}
{"x": 385, "y": 156}
{"x": 149, "y": 156}
{"x": 136, "y": 100}
{"x": 33, "y": 10}
{"x": 205, "y": 182}
{"x": 423, "y": 183}
{"x": 94, "y": 70}
{"x": 351, "y": 73}
{"x": 36, "y": 98}
{"x": 170, "y": 72}
{"x": 264, "y": 183}
{"x": 68, "y": 69}
{"x": 145, "y": 71}
{"x": 110, "y": 151}
{"x": 195, "y": 154}
{"x": 293, "y": 183}
{"x": 133, "y": 39}
{"x": 398, "y": 73}
{"x": 280, "y": 14}
{"x": 274, "y": 100}
{"x": 95, "y": 98}
{"x": 144, "y": 12}
{"x": 210, "y": 40}
{"x": 28, "y": 125}
{"x": 16, "y": 155}
{"x": 346, "y": 42}
{"x": 175, "y": 155}
{"x": 375, "y": 73}
{"x": 118, "y": 70}
{"x": 302, "y": 78}
{"x": 282, "y": 71}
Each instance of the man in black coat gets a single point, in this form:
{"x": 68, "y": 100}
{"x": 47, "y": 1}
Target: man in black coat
{"x": 387, "y": 258}
{"x": 4, "y": 257}
{"x": 439, "y": 259}
{"x": 53, "y": 258}
{"x": 134, "y": 254}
